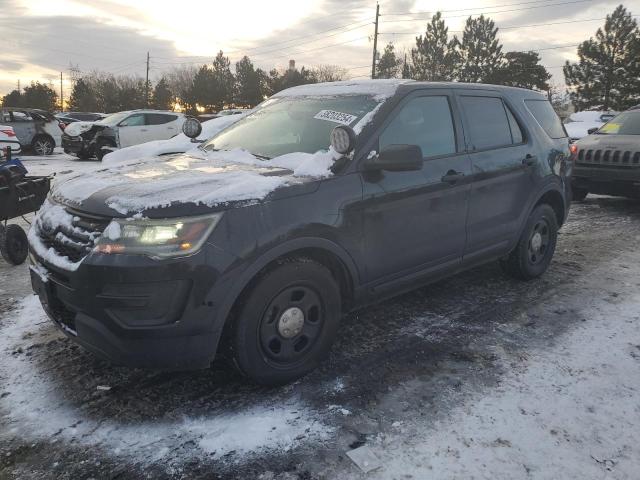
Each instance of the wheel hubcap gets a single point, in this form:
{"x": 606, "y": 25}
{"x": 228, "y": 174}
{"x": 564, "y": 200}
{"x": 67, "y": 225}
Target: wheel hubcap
{"x": 539, "y": 242}
{"x": 291, "y": 322}
{"x": 291, "y": 325}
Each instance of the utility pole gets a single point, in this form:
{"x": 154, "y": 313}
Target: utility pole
{"x": 61, "y": 95}
{"x": 146, "y": 85}
{"x": 375, "y": 43}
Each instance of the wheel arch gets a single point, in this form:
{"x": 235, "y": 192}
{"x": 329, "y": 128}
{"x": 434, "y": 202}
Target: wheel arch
{"x": 555, "y": 200}
{"x": 323, "y": 251}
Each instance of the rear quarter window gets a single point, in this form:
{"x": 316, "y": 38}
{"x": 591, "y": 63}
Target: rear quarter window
{"x": 546, "y": 117}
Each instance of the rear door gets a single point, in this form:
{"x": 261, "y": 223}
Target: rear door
{"x": 132, "y": 130}
{"x": 161, "y": 126}
{"x": 502, "y": 163}
{"x": 23, "y": 125}
{"x": 414, "y": 222}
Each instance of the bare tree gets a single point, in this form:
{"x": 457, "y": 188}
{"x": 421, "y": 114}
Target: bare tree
{"x": 329, "y": 73}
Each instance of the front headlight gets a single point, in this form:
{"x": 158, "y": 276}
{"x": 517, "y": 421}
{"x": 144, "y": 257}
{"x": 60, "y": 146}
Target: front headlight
{"x": 173, "y": 237}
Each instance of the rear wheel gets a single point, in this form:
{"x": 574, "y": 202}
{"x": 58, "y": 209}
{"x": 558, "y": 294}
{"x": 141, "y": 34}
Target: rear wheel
{"x": 286, "y": 323}
{"x": 579, "y": 194}
{"x": 536, "y": 246}
{"x": 43, "y": 145}
{"x": 14, "y": 245}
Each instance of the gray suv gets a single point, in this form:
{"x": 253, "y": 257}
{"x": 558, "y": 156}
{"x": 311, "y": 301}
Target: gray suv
{"x": 37, "y": 130}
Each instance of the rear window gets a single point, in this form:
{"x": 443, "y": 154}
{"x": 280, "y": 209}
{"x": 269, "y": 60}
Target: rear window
{"x": 159, "y": 118}
{"x": 546, "y": 117}
{"x": 488, "y": 124}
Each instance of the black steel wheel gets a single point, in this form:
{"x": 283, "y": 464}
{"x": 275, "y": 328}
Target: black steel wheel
{"x": 286, "y": 322}
{"x": 14, "y": 245}
{"x": 533, "y": 253}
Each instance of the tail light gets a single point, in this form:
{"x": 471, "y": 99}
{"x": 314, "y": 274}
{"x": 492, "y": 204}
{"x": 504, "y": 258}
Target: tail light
{"x": 573, "y": 149}
{"x": 8, "y": 132}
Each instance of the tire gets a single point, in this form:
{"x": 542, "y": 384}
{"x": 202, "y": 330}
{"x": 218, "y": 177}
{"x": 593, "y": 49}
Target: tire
{"x": 43, "y": 145}
{"x": 14, "y": 245}
{"x": 99, "y": 153}
{"x": 286, "y": 323}
{"x": 536, "y": 245}
{"x": 579, "y": 194}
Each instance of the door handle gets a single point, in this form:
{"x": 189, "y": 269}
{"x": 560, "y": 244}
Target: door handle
{"x": 143, "y": 129}
{"x": 529, "y": 160}
{"x": 452, "y": 176}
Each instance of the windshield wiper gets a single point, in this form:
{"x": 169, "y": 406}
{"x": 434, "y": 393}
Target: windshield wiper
{"x": 261, "y": 157}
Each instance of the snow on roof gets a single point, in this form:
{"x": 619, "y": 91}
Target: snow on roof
{"x": 380, "y": 88}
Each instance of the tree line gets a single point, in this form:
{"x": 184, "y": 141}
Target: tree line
{"x": 606, "y": 76}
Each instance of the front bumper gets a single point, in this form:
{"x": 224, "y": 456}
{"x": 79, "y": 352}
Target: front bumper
{"x": 135, "y": 311}
{"x": 76, "y": 145}
{"x": 607, "y": 180}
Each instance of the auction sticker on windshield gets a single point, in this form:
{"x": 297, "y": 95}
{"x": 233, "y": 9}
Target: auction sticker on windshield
{"x": 337, "y": 117}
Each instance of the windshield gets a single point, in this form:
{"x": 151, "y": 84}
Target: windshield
{"x": 627, "y": 123}
{"x": 292, "y": 124}
{"x": 114, "y": 118}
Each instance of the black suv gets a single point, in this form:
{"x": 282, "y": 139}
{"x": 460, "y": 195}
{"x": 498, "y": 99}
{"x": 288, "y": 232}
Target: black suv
{"x": 608, "y": 161}
{"x": 265, "y": 236}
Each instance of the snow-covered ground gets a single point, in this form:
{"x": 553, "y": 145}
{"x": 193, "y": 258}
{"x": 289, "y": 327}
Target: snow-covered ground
{"x": 477, "y": 376}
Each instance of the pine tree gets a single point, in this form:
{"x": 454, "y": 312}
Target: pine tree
{"x": 224, "y": 81}
{"x": 607, "y": 76}
{"x": 388, "y": 65}
{"x": 83, "y": 97}
{"x": 12, "y": 99}
{"x": 479, "y": 52}
{"x": 162, "y": 95}
{"x": 434, "y": 57}
{"x": 39, "y": 95}
{"x": 406, "y": 68}
{"x": 522, "y": 69}
{"x": 249, "y": 87}
{"x": 205, "y": 89}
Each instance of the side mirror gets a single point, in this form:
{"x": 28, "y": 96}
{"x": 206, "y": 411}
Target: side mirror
{"x": 192, "y": 128}
{"x": 397, "y": 158}
{"x": 592, "y": 130}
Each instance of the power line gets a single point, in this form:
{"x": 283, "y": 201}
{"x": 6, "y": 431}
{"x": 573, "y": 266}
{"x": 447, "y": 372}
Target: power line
{"x": 491, "y": 13}
{"x": 467, "y": 9}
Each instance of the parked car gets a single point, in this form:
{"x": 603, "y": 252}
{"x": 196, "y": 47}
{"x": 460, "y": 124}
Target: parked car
{"x": 178, "y": 144}
{"x": 8, "y": 138}
{"x": 270, "y": 232}
{"x": 36, "y": 130}
{"x": 608, "y": 162}
{"x": 119, "y": 130}
{"x": 578, "y": 124}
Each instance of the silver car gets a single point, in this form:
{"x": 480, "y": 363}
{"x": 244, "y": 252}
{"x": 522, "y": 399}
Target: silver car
{"x": 36, "y": 130}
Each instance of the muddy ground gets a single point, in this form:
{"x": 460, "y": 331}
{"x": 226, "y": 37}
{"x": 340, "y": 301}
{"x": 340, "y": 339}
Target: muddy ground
{"x": 425, "y": 380}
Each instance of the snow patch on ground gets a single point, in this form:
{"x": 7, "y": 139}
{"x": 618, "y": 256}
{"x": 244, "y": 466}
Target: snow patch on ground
{"x": 35, "y": 408}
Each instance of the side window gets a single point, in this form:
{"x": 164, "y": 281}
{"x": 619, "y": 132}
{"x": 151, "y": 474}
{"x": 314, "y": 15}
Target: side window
{"x": 20, "y": 116}
{"x": 546, "y": 116}
{"x": 5, "y": 116}
{"x": 487, "y": 122}
{"x": 159, "y": 118}
{"x": 516, "y": 131}
{"x": 426, "y": 122}
{"x": 136, "y": 120}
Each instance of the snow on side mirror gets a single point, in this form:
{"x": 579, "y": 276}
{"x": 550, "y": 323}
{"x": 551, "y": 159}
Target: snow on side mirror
{"x": 343, "y": 139}
{"x": 192, "y": 128}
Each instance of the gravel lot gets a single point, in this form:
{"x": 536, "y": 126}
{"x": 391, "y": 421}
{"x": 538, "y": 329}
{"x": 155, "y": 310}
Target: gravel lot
{"x": 477, "y": 376}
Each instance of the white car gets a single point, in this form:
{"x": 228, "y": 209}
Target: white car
{"x": 578, "y": 124}
{"x": 8, "y": 138}
{"x": 178, "y": 144}
{"x": 120, "y": 130}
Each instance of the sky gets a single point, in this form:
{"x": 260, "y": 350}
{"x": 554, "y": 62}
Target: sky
{"x": 45, "y": 37}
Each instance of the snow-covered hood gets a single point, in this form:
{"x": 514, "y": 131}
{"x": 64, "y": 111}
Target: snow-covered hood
{"x": 611, "y": 142}
{"x": 212, "y": 180}
{"x": 78, "y": 128}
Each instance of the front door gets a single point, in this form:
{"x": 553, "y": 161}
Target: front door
{"x": 23, "y": 125}
{"x": 502, "y": 161}
{"x": 132, "y": 130}
{"x": 414, "y": 222}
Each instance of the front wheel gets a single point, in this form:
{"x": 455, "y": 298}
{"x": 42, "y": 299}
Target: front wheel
{"x": 43, "y": 145}
{"x": 286, "y": 323}
{"x": 14, "y": 245}
{"x": 536, "y": 246}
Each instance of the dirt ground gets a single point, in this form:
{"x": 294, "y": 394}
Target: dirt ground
{"x": 477, "y": 376}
